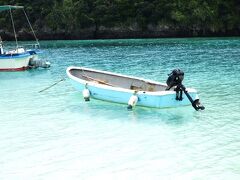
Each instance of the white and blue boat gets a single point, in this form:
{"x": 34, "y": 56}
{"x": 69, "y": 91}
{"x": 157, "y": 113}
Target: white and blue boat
{"x": 16, "y": 60}
{"x": 20, "y": 58}
{"x": 130, "y": 90}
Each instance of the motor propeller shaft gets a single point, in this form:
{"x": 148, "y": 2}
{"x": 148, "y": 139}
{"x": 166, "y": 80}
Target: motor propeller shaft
{"x": 175, "y": 78}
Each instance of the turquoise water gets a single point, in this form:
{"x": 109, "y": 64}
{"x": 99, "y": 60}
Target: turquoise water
{"x": 56, "y": 135}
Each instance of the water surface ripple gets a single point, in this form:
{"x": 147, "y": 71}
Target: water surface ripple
{"x": 56, "y": 135}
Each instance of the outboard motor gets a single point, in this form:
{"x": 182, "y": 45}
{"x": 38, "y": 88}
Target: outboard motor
{"x": 35, "y": 63}
{"x": 175, "y": 78}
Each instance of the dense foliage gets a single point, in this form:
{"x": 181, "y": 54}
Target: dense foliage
{"x": 194, "y": 17}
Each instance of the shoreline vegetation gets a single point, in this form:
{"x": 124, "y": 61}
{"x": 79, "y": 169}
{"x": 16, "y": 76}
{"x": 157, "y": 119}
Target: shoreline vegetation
{"x": 120, "y": 19}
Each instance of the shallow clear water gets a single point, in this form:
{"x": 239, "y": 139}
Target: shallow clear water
{"x": 56, "y": 135}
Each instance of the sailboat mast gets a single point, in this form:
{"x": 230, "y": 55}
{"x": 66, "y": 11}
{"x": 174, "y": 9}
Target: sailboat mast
{"x": 10, "y": 9}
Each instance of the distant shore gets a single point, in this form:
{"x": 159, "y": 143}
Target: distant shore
{"x": 84, "y": 19}
{"x": 111, "y": 33}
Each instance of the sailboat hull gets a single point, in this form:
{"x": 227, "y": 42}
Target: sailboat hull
{"x": 14, "y": 62}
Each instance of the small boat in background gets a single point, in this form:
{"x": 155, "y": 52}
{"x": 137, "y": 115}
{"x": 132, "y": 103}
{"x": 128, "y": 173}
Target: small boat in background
{"x": 130, "y": 90}
{"x": 20, "y": 58}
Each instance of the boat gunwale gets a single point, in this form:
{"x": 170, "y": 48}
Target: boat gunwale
{"x": 14, "y": 55}
{"x": 103, "y": 86}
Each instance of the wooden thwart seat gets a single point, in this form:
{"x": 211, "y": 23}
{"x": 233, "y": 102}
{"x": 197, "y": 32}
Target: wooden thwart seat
{"x": 97, "y": 80}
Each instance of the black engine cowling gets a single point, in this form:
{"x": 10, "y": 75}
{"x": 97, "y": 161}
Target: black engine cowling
{"x": 175, "y": 78}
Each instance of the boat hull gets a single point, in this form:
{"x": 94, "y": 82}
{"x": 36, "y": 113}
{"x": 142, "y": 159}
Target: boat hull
{"x": 14, "y": 62}
{"x": 158, "y": 99}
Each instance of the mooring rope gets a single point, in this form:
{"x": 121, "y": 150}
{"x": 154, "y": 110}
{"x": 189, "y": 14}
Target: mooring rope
{"x": 52, "y": 85}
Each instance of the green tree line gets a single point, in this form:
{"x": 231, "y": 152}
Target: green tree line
{"x": 196, "y": 17}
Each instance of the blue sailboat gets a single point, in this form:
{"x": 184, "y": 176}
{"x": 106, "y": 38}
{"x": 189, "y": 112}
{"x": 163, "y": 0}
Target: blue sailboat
{"x": 20, "y": 58}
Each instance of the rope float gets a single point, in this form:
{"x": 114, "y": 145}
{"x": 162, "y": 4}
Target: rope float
{"x": 133, "y": 100}
{"x": 86, "y": 93}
